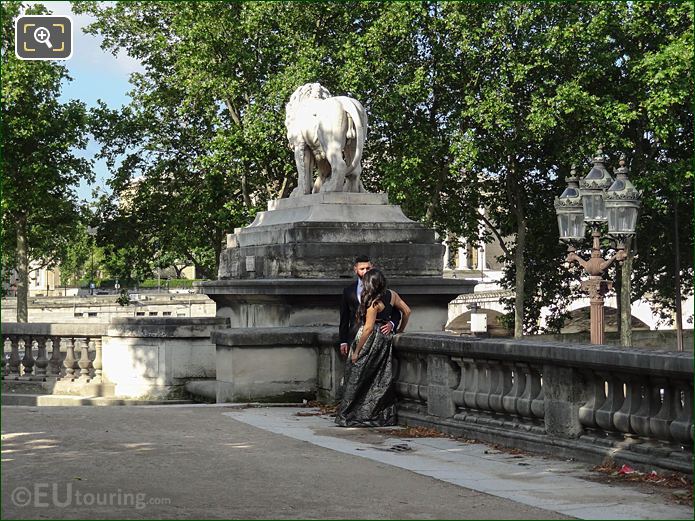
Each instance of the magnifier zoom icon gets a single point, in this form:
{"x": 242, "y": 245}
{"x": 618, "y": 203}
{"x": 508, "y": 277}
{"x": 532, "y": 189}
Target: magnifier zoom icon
{"x": 43, "y": 35}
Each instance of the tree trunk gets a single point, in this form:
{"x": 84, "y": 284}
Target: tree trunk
{"x": 618, "y": 287}
{"x": 625, "y": 317}
{"x": 516, "y": 202}
{"x": 677, "y": 279}
{"x": 520, "y": 277}
{"x": 245, "y": 191}
{"x": 178, "y": 270}
{"x": 22, "y": 271}
{"x": 434, "y": 200}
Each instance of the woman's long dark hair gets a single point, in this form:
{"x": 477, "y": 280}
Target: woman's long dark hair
{"x": 373, "y": 286}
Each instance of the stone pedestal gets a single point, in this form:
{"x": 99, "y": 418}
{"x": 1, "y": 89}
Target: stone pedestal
{"x": 289, "y": 267}
{"x": 318, "y": 236}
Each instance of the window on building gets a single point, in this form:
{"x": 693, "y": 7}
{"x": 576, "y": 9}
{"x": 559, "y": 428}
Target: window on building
{"x": 92, "y": 314}
{"x": 78, "y": 315}
{"x": 153, "y": 313}
{"x": 139, "y": 313}
{"x": 166, "y": 313}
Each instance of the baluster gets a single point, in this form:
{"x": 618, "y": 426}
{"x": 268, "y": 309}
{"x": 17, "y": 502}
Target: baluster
{"x": 482, "y": 395}
{"x": 97, "y": 360}
{"x": 84, "y": 362}
{"x": 651, "y": 402}
{"x": 501, "y": 384}
{"x": 471, "y": 389}
{"x": 538, "y": 399}
{"x": 597, "y": 395}
{"x": 682, "y": 427}
{"x": 531, "y": 390}
{"x": 632, "y": 403}
{"x": 70, "y": 363}
{"x": 661, "y": 423}
{"x": 55, "y": 362}
{"x": 15, "y": 361}
{"x": 28, "y": 358}
{"x": 510, "y": 400}
{"x": 613, "y": 403}
{"x": 41, "y": 359}
{"x": 457, "y": 393}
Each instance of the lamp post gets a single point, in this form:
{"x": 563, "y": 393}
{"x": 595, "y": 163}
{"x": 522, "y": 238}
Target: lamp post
{"x": 597, "y": 200}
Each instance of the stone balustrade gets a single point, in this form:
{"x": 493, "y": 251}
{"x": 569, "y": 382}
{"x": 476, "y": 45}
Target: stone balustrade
{"x": 580, "y": 401}
{"x": 585, "y": 401}
{"x": 43, "y": 352}
{"x": 142, "y": 358}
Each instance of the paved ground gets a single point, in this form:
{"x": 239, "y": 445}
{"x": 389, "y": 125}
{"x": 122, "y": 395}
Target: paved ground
{"x": 223, "y": 462}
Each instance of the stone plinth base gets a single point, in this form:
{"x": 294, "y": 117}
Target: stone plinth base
{"x": 316, "y": 302}
{"x": 266, "y": 364}
{"x": 320, "y": 235}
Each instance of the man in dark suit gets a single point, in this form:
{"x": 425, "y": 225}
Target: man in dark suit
{"x": 351, "y": 301}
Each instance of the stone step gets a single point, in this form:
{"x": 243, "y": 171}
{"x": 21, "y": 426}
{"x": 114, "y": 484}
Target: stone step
{"x": 71, "y": 400}
{"x": 58, "y": 387}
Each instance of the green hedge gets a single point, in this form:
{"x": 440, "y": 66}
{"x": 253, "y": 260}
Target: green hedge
{"x": 173, "y": 283}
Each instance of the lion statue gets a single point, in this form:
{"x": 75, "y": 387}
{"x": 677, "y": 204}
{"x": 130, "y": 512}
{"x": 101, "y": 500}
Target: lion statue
{"x": 326, "y": 133}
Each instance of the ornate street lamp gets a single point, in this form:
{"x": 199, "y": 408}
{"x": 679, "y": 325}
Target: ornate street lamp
{"x": 599, "y": 200}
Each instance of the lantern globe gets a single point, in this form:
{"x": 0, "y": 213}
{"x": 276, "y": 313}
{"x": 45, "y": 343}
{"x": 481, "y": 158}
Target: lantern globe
{"x": 623, "y": 202}
{"x": 570, "y": 215}
{"x": 591, "y": 190}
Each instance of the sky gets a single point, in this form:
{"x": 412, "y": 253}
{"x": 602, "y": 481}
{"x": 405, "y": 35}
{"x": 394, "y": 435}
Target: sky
{"x": 97, "y": 75}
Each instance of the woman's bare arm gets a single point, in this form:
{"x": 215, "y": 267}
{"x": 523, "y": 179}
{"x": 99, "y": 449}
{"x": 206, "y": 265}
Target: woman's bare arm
{"x": 404, "y": 309}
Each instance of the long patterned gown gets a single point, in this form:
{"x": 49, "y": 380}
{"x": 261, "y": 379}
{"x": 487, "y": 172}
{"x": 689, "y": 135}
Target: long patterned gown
{"x": 369, "y": 394}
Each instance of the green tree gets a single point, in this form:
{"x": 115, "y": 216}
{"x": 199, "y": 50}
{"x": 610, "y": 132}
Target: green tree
{"x": 40, "y": 168}
{"x": 204, "y": 136}
{"x": 472, "y": 105}
{"x": 656, "y": 58}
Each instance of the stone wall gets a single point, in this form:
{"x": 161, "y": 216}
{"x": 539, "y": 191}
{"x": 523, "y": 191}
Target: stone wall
{"x": 272, "y": 364}
{"x": 102, "y": 308}
{"x": 155, "y": 357}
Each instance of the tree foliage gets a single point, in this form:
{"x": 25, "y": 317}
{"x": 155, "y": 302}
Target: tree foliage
{"x": 471, "y": 105}
{"x": 41, "y": 170}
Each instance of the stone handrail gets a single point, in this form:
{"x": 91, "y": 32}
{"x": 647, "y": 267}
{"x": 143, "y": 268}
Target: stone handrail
{"x": 80, "y": 360}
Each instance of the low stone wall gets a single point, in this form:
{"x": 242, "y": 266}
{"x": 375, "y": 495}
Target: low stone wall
{"x": 273, "y": 364}
{"x": 581, "y": 401}
{"x": 154, "y": 357}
